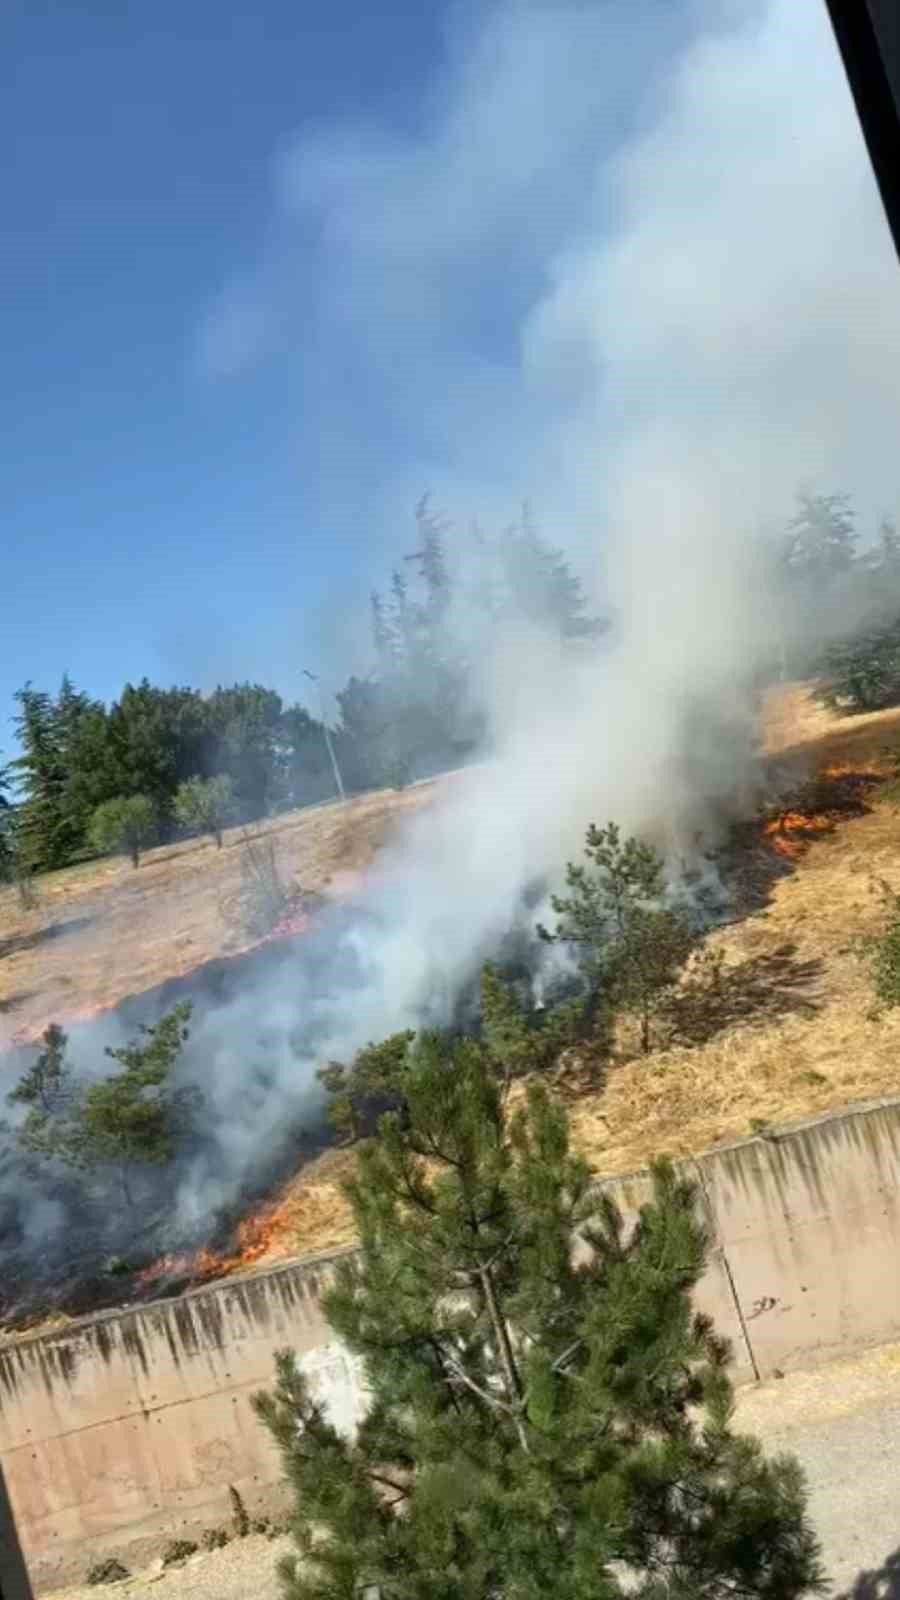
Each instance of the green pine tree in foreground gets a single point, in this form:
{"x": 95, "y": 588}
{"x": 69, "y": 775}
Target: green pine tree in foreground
{"x": 132, "y": 1118}
{"x": 537, "y": 1427}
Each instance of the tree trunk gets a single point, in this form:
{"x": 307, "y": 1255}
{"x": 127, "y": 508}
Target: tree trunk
{"x": 505, "y": 1352}
{"x": 218, "y": 833}
{"x": 135, "y": 855}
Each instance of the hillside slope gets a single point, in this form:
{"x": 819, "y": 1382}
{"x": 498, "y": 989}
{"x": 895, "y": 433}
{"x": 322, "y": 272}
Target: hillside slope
{"x": 104, "y": 931}
{"x": 792, "y": 1031}
{"x": 789, "y": 1032}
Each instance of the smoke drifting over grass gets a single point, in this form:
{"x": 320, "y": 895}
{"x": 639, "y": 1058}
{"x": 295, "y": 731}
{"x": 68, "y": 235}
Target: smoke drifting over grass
{"x": 715, "y": 322}
{"x": 697, "y": 311}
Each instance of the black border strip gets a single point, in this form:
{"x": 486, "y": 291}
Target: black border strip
{"x": 867, "y": 37}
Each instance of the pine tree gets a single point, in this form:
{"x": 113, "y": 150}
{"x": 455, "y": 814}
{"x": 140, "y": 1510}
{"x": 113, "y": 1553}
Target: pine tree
{"x": 523, "y": 1039}
{"x": 6, "y": 843}
{"x": 245, "y": 721}
{"x": 375, "y": 1079}
{"x": 431, "y": 563}
{"x": 536, "y": 1427}
{"x": 14, "y": 867}
{"x": 633, "y": 944}
{"x": 93, "y": 772}
{"x": 131, "y": 1118}
{"x": 541, "y": 586}
{"x": 820, "y": 544}
{"x": 884, "y": 561}
{"x": 41, "y": 773}
{"x": 402, "y": 619}
{"x": 303, "y": 772}
{"x": 382, "y": 636}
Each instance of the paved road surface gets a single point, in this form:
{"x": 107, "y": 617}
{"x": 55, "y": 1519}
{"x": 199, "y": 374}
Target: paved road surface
{"x": 843, "y": 1421}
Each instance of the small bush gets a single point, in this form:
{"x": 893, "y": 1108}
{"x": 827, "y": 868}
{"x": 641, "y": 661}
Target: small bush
{"x": 884, "y": 952}
{"x": 117, "y": 1267}
{"x": 886, "y": 966}
{"x": 108, "y": 1571}
{"x": 178, "y": 1550}
{"x": 214, "y": 1538}
{"x": 264, "y": 897}
{"x": 863, "y": 673}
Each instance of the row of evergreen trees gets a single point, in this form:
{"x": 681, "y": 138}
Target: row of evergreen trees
{"x": 85, "y": 766}
{"x": 79, "y": 756}
{"x": 415, "y": 712}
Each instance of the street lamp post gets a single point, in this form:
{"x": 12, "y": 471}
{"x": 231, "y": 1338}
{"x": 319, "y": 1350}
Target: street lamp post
{"x": 327, "y": 732}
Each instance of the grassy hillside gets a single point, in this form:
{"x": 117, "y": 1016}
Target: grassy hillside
{"x": 103, "y": 931}
{"x": 791, "y": 1033}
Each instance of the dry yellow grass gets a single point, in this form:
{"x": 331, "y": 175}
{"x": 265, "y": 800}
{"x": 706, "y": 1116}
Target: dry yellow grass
{"x": 804, "y": 1040}
{"x": 103, "y": 931}
{"x": 799, "y": 1038}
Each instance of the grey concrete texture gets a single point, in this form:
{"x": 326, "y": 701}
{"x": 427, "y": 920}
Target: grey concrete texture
{"x": 125, "y": 1430}
{"x": 842, "y": 1421}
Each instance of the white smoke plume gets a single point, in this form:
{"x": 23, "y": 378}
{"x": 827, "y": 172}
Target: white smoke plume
{"x": 718, "y": 325}
{"x": 708, "y": 318}
{"x": 714, "y": 322}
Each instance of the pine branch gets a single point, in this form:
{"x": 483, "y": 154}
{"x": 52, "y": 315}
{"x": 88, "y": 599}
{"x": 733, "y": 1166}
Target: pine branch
{"x": 507, "y": 1359}
{"x": 402, "y": 1491}
{"x": 491, "y": 1400}
{"x": 562, "y": 1361}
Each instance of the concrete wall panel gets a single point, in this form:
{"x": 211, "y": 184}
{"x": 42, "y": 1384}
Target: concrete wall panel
{"x": 810, "y": 1227}
{"x": 126, "y": 1429}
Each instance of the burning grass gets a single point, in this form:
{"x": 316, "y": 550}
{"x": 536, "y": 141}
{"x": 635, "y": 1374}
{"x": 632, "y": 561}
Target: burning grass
{"x": 838, "y": 791}
{"x": 791, "y": 1033}
{"x": 268, "y": 1234}
{"x": 788, "y": 1033}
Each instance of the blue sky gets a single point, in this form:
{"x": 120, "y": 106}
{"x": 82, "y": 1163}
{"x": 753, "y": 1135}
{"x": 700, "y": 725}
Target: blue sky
{"x": 141, "y": 499}
{"x": 205, "y": 432}
{"x": 271, "y": 272}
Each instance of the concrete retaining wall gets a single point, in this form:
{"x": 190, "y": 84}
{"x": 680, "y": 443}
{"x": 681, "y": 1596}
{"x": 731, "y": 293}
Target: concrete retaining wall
{"x": 128, "y": 1428}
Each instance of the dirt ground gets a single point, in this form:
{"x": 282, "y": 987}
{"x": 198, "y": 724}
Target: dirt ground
{"x": 104, "y": 931}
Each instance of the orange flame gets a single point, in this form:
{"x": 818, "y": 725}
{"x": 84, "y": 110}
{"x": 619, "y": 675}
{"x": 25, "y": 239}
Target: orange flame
{"x": 790, "y": 834}
{"x": 267, "y": 1233}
